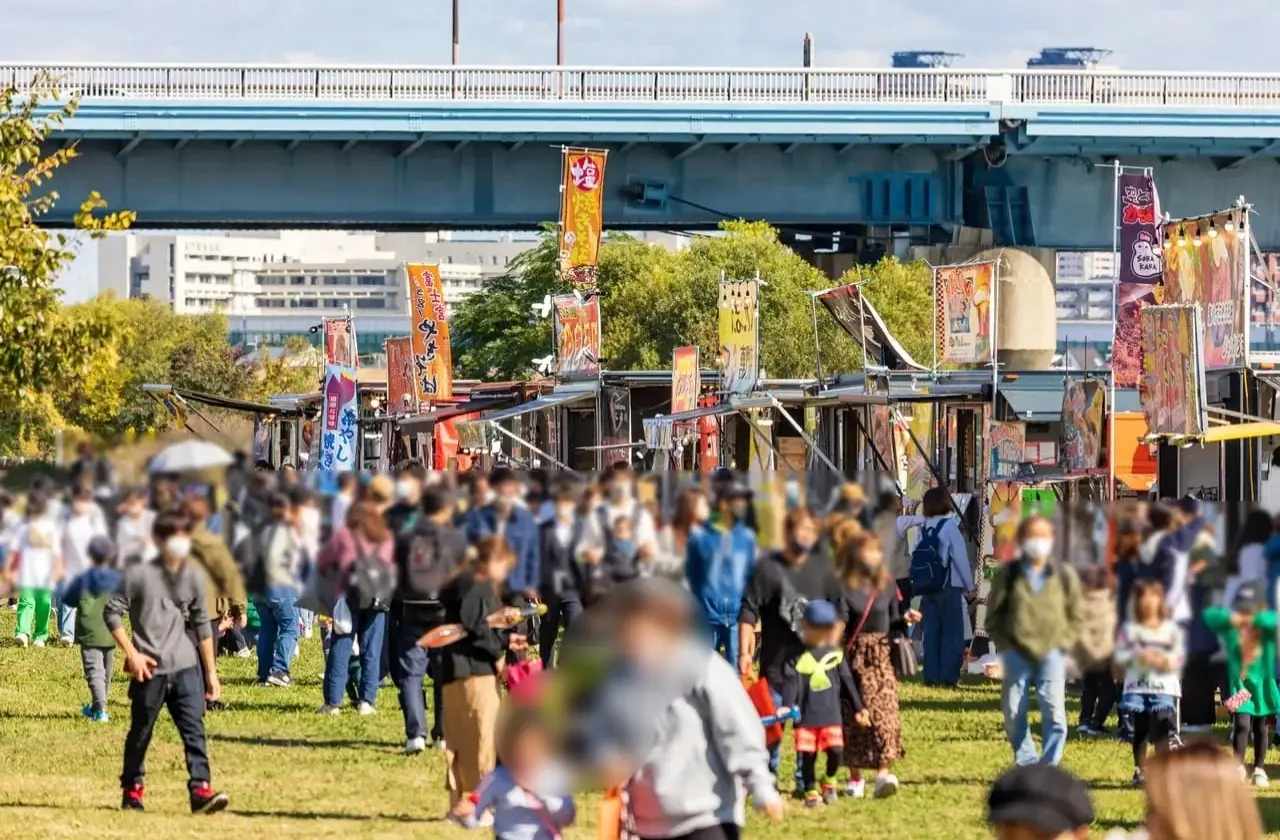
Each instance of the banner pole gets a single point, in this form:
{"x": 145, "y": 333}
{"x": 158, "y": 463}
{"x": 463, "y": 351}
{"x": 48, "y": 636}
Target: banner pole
{"x": 1115, "y": 320}
{"x": 933, "y": 293}
{"x": 995, "y": 329}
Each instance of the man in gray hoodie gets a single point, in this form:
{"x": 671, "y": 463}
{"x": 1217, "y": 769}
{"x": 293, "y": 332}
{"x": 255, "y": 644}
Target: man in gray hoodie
{"x": 673, "y": 725}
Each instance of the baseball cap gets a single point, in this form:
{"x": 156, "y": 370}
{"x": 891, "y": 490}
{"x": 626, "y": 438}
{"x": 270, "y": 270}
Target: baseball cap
{"x": 820, "y": 614}
{"x": 1041, "y": 797}
{"x": 1248, "y": 598}
{"x": 101, "y": 548}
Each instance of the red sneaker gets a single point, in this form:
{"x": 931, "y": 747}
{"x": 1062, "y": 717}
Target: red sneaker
{"x": 205, "y": 800}
{"x": 132, "y": 799}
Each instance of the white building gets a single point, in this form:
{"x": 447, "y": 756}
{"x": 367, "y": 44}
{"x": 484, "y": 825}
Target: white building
{"x": 277, "y": 284}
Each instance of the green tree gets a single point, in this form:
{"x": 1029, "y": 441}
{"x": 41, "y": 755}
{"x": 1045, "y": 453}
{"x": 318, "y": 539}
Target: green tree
{"x": 40, "y": 346}
{"x": 903, "y": 295}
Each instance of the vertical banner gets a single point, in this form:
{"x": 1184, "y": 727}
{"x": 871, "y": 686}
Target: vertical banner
{"x": 881, "y": 420}
{"x": 1205, "y": 265}
{"x": 1081, "y": 431}
{"x": 576, "y": 325}
{"x": 340, "y": 342}
{"x": 738, "y": 315}
{"x": 962, "y": 306}
{"x": 617, "y": 425}
{"x": 581, "y": 215}
{"x": 401, "y": 396}
{"x": 339, "y": 420}
{"x": 1172, "y": 389}
{"x": 686, "y": 379}
{"x": 429, "y": 334}
{"x": 261, "y": 438}
{"x": 1139, "y": 271}
{"x": 918, "y": 477}
{"x": 1006, "y": 443}
{"x": 1004, "y": 508}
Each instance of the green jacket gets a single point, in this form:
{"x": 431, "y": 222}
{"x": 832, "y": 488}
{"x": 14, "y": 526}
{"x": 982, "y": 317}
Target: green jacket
{"x": 1034, "y": 623}
{"x": 223, "y": 582}
{"x": 1260, "y": 677}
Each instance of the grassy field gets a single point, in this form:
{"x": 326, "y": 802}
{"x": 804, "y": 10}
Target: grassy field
{"x": 291, "y": 773}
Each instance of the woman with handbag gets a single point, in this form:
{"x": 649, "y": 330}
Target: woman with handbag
{"x": 876, "y": 636}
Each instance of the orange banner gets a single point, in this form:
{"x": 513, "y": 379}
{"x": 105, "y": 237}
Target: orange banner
{"x": 401, "y": 397}
{"x": 432, "y": 356}
{"x": 576, "y": 326}
{"x": 686, "y": 379}
{"x": 340, "y": 342}
{"x": 581, "y": 216}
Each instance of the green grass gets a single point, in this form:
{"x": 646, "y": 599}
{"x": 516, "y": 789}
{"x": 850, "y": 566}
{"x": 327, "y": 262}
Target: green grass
{"x": 292, "y": 773}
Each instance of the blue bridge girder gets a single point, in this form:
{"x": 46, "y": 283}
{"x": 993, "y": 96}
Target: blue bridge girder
{"x": 202, "y": 145}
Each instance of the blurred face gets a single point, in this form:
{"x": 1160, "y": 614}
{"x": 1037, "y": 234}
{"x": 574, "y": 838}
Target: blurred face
{"x": 624, "y": 529}
{"x": 528, "y": 755}
{"x": 565, "y": 510}
{"x": 816, "y": 636}
{"x": 1149, "y": 605}
{"x": 701, "y": 509}
{"x": 508, "y": 493}
{"x": 805, "y": 535}
{"x": 621, "y": 489}
{"x": 644, "y": 640}
{"x": 873, "y": 556}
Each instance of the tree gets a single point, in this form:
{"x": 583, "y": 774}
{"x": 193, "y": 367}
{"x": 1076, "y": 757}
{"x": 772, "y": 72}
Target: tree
{"x": 903, "y": 295}
{"x": 39, "y": 345}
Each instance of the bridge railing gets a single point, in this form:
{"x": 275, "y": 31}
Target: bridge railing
{"x": 659, "y": 84}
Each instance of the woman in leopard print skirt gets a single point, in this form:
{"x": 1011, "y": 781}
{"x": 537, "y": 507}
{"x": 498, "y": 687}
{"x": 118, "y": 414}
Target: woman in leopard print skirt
{"x": 873, "y": 616}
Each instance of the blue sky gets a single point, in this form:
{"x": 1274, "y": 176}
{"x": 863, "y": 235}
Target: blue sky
{"x": 1172, "y": 35}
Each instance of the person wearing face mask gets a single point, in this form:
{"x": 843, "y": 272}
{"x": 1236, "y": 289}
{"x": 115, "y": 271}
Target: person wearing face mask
{"x": 274, "y": 560}
{"x": 719, "y": 562}
{"x": 599, "y": 529}
{"x": 561, "y": 575}
{"x": 84, "y": 522}
{"x": 507, "y": 518}
{"x": 1033, "y": 617}
{"x": 402, "y": 517}
{"x": 780, "y": 586}
{"x": 172, "y": 638}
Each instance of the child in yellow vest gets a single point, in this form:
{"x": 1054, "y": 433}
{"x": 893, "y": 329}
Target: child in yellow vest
{"x": 813, "y": 685}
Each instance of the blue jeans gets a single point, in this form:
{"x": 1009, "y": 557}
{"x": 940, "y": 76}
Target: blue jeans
{"x": 369, "y": 626}
{"x": 775, "y": 750}
{"x": 415, "y": 663}
{"x": 66, "y": 614}
{"x": 724, "y": 637}
{"x": 1049, "y": 676}
{"x": 278, "y": 630}
{"x": 943, "y": 628}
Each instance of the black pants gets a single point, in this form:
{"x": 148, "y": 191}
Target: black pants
{"x": 1097, "y": 696}
{"x": 1242, "y": 726}
{"x": 1156, "y": 727}
{"x": 809, "y": 767}
{"x": 562, "y": 611}
{"x": 183, "y": 694}
{"x": 413, "y": 663}
{"x": 1200, "y": 679}
{"x": 232, "y": 641}
{"x": 724, "y": 831}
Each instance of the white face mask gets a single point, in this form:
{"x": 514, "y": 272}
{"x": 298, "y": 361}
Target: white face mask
{"x": 404, "y": 489}
{"x": 1038, "y": 548}
{"x": 176, "y": 548}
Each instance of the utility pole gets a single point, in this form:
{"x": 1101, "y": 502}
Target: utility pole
{"x": 457, "y": 41}
{"x": 559, "y": 33}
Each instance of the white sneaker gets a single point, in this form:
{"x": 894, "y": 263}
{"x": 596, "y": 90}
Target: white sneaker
{"x": 66, "y": 641}
{"x": 1260, "y": 778}
{"x": 38, "y": 643}
{"x": 307, "y": 632}
{"x": 331, "y": 711}
{"x": 364, "y": 710}
{"x": 856, "y": 788}
{"x": 22, "y": 640}
{"x": 243, "y": 653}
{"x": 413, "y": 746}
{"x": 886, "y": 786}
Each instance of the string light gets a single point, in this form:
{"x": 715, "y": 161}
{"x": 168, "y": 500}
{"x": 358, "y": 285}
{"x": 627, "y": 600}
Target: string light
{"x": 1213, "y": 231}
{"x": 1182, "y": 236}
{"x": 1195, "y": 237}
{"x": 1240, "y": 231}
{"x": 1229, "y": 225}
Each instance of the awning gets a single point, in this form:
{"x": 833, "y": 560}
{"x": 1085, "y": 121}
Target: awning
{"x": 852, "y": 395}
{"x": 414, "y": 423}
{"x": 215, "y": 401}
{"x": 1136, "y": 483}
{"x": 552, "y": 400}
{"x": 1038, "y": 405}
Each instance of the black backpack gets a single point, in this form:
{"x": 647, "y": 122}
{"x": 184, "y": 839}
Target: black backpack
{"x": 373, "y": 583}
{"x": 429, "y": 566}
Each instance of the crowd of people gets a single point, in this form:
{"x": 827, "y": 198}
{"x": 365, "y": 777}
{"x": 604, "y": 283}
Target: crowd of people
{"x": 721, "y": 639}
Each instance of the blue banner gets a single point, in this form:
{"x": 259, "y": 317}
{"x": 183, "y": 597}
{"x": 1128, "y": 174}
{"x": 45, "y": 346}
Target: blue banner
{"x": 338, "y": 452}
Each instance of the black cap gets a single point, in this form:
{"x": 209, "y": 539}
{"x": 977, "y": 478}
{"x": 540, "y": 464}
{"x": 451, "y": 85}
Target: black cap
{"x": 1042, "y": 797}
{"x": 1248, "y": 598}
{"x": 1189, "y": 505}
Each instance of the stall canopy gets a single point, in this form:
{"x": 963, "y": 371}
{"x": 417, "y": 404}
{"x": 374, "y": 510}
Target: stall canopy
{"x": 558, "y": 398}
{"x": 424, "y": 422}
{"x": 214, "y": 401}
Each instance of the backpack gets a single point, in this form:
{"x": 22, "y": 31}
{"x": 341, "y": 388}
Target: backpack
{"x": 617, "y": 571}
{"x": 372, "y": 584}
{"x": 929, "y": 573}
{"x": 791, "y": 605}
{"x": 429, "y": 567}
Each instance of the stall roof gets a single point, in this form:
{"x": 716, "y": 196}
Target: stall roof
{"x": 741, "y": 404}
{"x": 222, "y": 402}
{"x": 558, "y": 397}
{"x": 413, "y": 423}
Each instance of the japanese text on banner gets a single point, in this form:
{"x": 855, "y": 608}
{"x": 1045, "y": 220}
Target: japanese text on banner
{"x": 737, "y": 312}
{"x": 577, "y": 336}
{"x": 401, "y": 396}
{"x": 1171, "y": 390}
{"x": 429, "y": 334}
{"x": 340, "y": 342}
{"x": 686, "y": 379}
{"x": 581, "y": 216}
{"x": 340, "y": 419}
{"x": 962, "y": 307}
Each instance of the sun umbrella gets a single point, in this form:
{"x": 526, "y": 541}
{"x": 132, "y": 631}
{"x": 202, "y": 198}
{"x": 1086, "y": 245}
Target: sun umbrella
{"x": 190, "y": 456}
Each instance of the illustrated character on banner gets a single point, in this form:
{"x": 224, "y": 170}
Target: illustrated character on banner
{"x": 982, "y": 306}
{"x": 1145, "y": 261}
{"x": 958, "y": 307}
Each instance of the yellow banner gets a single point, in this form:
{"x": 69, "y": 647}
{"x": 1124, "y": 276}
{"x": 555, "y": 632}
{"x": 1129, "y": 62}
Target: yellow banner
{"x": 429, "y": 334}
{"x": 581, "y": 216}
{"x": 737, "y": 311}
{"x": 686, "y": 379}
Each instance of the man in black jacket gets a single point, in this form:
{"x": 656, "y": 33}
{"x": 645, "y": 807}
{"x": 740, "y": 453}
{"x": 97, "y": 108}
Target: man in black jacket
{"x": 561, "y": 575}
{"x": 433, "y": 552}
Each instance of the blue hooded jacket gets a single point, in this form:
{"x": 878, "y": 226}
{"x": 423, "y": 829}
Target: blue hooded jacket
{"x": 718, "y": 563}
{"x": 521, "y": 534}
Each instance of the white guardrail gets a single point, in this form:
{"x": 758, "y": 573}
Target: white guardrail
{"x": 658, "y": 84}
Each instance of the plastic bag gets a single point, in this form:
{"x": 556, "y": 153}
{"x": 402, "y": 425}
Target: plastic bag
{"x": 343, "y": 623}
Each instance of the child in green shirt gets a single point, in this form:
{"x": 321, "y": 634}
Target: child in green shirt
{"x": 1248, "y": 634}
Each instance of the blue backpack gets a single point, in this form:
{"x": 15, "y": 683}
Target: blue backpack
{"x": 929, "y": 573}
